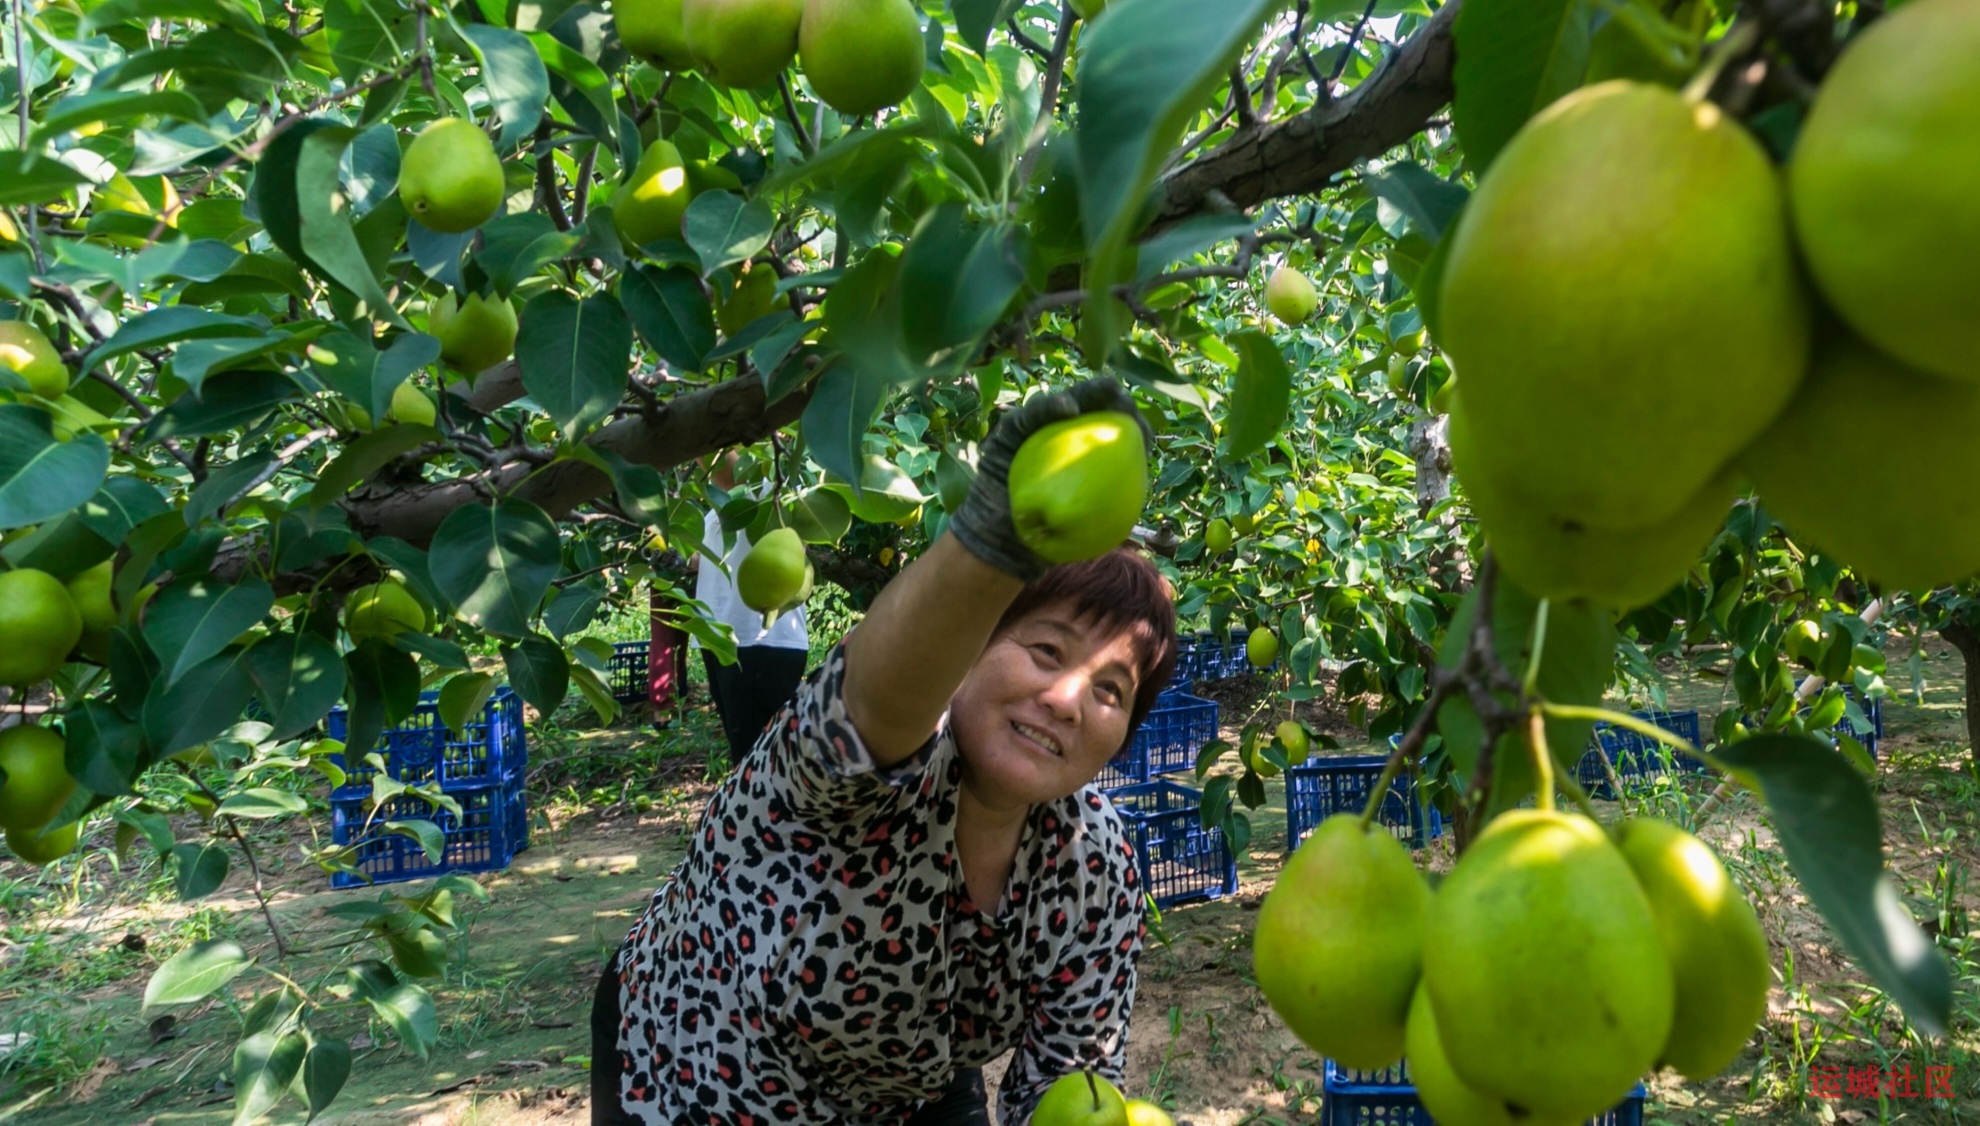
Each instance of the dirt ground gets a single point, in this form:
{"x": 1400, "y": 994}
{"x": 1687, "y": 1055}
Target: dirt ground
{"x": 514, "y": 1043}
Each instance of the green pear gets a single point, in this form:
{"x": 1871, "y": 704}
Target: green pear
{"x": 1290, "y": 295}
{"x": 38, "y": 848}
{"x": 742, "y": 43}
{"x": 1077, "y": 486}
{"x": 861, "y": 56}
{"x": 1550, "y": 985}
{"x": 1080, "y": 1099}
{"x": 1442, "y": 1093}
{"x": 648, "y": 206}
{"x": 1802, "y": 641}
{"x": 383, "y": 610}
{"x": 1622, "y": 300}
{"x": 1293, "y": 737}
{"x": 91, "y": 593}
{"x": 39, "y": 627}
{"x": 755, "y": 296}
{"x": 410, "y": 404}
{"x": 652, "y": 30}
{"x": 37, "y": 783}
{"x": 1141, "y": 1112}
{"x": 1885, "y": 171}
{"x": 773, "y": 572}
{"x": 1565, "y": 560}
{"x": 1217, "y": 536}
{"x": 1339, "y": 942}
{"x": 1261, "y": 648}
{"x": 1087, "y": 9}
{"x": 450, "y": 178}
{"x": 1904, "y": 515}
{"x": 1717, "y": 951}
{"x": 26, "y": 352}
{"x": 475, "y": 334}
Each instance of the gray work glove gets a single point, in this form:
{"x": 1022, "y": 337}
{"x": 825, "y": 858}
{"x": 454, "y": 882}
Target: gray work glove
{"x": 983, "y": 523}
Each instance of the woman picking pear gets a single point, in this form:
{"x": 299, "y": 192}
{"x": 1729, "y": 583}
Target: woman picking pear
{"x": 910, "y": 875}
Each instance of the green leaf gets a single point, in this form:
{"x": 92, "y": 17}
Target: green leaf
{"x": 41, "y": 477}
{"x": 204, "y": 702}
{"x": 820, "y": 515}
{"x": 112, "y": 107}
{"x": 1513, "y": 58}
{"x": 573, "y": 608}
{"x": 496, "y": 564}
{"x": 580, "y": 87}
{"x": 957, "y": 278}
{"x": 189, "y": 622}
{"x": 384, "y": 683}
{"x": 420, "y": 952}
{"x": 169, "y": 325}
{"x": 1576, "y": 666}
{"x": 367, "y": 455}
{"x": 514, "y": 247}
{"x": 575, "y": 357}
{"x": 1144, "y": 70}
{"x": 409, "y": 1010}
{"x": 1261, "y": 394}
{"x": 28, "y": 178}
{"x": 1829, "y": 828}
{"x": 201, "y": 869}
{"x": 846, "y": 402}
{"x": 263, "y": 802}
{"x": 102, "y": 750}
{"x": 539, "y": 671}
{"x": 463, "y": 697}
{"x": 224, "y": 486}
{"x": 324, "y": 1072}
{"x": 513, "y": 73}
{"x": 265, "y": 1064}
{"x": 366, "y": 374}
{"x": 1427, "y": 202}
{"x": 227, "y": 400}
{"x": 196, "y": 972}
{"x": 723, "y": 229}
{"x": 1187, "y": 239}
{"x": 671, "y": 312}
{"x": 596, "y": 693}
{"x": 976, "y": 18}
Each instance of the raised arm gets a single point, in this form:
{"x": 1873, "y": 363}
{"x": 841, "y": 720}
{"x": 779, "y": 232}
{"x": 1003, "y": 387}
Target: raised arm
{"x": 911, "y": 652}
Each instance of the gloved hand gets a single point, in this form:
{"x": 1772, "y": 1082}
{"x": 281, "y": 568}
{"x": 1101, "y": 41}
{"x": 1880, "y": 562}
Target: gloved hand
{"x": 983, "y": 523}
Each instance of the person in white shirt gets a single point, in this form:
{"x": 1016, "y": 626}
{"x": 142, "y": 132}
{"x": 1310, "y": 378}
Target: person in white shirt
{"x": 769, "y": 662}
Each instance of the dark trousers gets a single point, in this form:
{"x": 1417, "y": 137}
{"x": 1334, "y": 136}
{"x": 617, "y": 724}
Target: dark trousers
{"x": 964, "y": 1104}
{"x": 750, "y": 692}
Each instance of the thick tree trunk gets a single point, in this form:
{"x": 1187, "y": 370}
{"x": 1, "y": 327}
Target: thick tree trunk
{"x": 1966, "y": 639}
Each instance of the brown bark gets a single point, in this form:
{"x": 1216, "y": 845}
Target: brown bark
{"x": 1301, "y": 154}
{"x": 1966, "y": 639}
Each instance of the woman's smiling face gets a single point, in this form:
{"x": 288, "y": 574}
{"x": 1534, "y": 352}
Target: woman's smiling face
{"x": 1044, "y": 708}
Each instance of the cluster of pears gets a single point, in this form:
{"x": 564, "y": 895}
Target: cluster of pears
{"x": 43, "y": 622}
{"x": 1084, "y": 1098}
{"x": 450, "y": 178}
{"x": 860, "y": 56}
{"x": 1624, "y": 301}
{"x": 1553, "y": 967}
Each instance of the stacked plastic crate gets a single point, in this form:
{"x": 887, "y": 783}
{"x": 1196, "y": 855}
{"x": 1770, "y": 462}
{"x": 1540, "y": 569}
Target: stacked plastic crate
{"x": 1180, "y": 859}
{"x": 1635, "y": 757}
{"x": 1388, "y": 1098}
{"x": 1324, "y": 785}
{"x": 628, "y": 669}
{"x": 481, "y": 767}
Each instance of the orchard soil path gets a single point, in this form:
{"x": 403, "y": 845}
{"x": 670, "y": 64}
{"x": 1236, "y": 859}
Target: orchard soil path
{"x": 514, "y": 1040}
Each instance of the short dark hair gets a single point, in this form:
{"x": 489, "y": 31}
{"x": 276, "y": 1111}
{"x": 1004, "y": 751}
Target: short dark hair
{"x": 1122, "y": 593}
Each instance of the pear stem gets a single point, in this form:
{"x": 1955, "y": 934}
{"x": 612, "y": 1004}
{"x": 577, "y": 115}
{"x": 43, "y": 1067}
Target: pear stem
{"x": 1094, "y": 1088}
{"x": 1543, "y": 761}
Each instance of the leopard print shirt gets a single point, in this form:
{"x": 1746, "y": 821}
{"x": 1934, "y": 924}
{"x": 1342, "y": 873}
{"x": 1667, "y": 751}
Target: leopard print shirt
{"x": 816, "y": 957}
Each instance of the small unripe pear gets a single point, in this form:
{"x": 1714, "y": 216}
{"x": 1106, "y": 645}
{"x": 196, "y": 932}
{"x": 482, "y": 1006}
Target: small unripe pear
{"x": 26, "y": 352}
{"x": 652, "y": 30}
{"x": 1261, "y": 648}
{"x": 742, "y": 43}
{"x": 1077, "y": 486}
{"x": 1290, "y": 295}
{"x": 861, "y": 56}
{"x": 450, "y": 178}
{"x": 476, "y": 334}
{"x": 648, "y": 207}
{"x": 773, "y": 572}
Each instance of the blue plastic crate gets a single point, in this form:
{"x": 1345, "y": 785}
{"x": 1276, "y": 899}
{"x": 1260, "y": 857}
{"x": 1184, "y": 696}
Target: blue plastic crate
{"x": 1388, "y": 1098}
{"x": 1180, "y": 860}
{"x": 1637, "y": 757}
{"x": 493, "y": 826}
{"x": 1873, "y": 715}
{"x": 1175, "y": 729}
{"x": 628, "y": 671}
{"x": 1328, "y": 784}
{"x": 421, "y": 749}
